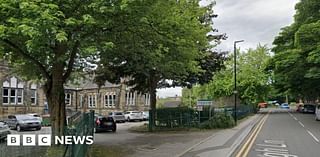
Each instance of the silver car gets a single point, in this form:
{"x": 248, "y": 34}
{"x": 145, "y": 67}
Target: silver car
{"x": 4, "y": 130}
{"x": 23, "y": 122}
{"x": 117, "y": 116}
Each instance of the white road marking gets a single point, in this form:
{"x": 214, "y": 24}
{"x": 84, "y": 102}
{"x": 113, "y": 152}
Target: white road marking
{"x": 301, "y": 124}
{"x": 295, "y": 118}
{"x": 314, "y": 137}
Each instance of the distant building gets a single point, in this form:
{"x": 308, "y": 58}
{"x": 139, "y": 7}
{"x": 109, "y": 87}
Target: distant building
{"x": 20, "y": 96}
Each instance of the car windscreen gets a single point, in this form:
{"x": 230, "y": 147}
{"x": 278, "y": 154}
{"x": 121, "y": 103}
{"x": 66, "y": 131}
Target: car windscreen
{"x": 118, "y": 113}
{"x": 25, "y": 117}
{"x": 136, "y": 112}
{"x": 106, "y": 119}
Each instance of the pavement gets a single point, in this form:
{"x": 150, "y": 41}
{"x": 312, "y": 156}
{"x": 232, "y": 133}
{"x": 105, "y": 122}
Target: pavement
{"x": 224, "y": 142}
{"x": 221, "y": 143}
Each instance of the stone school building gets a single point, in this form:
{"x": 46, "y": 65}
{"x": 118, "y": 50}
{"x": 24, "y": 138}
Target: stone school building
{"x": 20, "y": 96}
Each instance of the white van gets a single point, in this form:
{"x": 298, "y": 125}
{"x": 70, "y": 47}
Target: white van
{"x": 317, "y": 112}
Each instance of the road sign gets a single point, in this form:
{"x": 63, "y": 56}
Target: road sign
{"x": 204, "y": 103}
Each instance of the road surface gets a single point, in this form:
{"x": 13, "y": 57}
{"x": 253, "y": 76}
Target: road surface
{"x": 283, "y": 133}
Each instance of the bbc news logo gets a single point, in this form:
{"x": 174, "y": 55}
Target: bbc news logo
{"x": 45, "y": 140}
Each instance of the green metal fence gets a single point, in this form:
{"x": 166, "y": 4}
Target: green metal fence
{"x": 79, "y": 125}
{"x": 189, "y": 117}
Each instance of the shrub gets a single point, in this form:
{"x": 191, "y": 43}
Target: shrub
{"x": 219, "y": 120}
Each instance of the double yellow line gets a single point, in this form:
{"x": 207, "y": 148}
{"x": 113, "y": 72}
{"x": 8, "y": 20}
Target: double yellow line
{"x": 244, "y": 151}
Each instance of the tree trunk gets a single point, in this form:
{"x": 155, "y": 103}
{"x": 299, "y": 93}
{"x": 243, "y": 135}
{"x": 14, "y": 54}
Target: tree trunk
{"x": 56, "y": 98}
{"x": 153, "y": 102}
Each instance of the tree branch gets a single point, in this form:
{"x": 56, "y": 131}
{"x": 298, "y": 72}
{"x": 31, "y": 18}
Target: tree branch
{"x": 71, "y": 60}
{"x": 28, "y": 57}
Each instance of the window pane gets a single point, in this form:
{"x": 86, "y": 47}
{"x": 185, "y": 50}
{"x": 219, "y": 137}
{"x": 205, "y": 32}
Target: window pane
{"x": 5, "y": 100}
{"x": 12, "y": 92}
{"x": 12, "y": 100}
{"x": 33, "y": 100}
{"x": 33, "y": 93}
{"x": 106, "y": 99}
{"x": 110, "y": 99}
{"x": 19, "y": 92}
{"x": 19, "y": 100}
{"x": 5, "y": 92}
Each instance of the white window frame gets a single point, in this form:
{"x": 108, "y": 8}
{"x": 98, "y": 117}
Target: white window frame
{"x": 92, "y": 99}
{"x": 109, "y": 99}
{"x": 13, "y": 96}
{"x": 17, "y": 96}
{"x": 68, "y": 100}
{"x": 5, "y": 96}
{"x": 33, "y": 97}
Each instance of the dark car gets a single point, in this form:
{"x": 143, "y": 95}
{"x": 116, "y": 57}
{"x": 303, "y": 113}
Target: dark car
{"x": 23, "y": 122}
{"x": 4, "y": 130}
{"x": 103, "y": 124}
{"x": 309, "y": 108}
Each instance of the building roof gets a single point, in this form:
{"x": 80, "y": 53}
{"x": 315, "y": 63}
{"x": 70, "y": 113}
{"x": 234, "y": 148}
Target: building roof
{"x": 87, "y": 83}
{"x": 172, "y": 104}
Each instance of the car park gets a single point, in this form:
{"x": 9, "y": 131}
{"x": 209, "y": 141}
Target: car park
{"x": 23, "y": 122}
{"x": 103, "y": 124}
{"x": 309, "y": 108}
{"x": 117, "y": 116}
{"x": 4, "y": 130}
{"x": 133, "y": 115}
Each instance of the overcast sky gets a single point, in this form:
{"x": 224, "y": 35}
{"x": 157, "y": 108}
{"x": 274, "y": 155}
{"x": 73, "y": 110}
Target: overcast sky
{"x": 255, "y": 21}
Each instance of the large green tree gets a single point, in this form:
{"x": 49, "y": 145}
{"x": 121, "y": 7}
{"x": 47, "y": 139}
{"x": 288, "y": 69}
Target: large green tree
{"x": 296, "y": 61}
{"x": 48, "y": 40}
{"x": 166, "y": 43}
{"x": 253, "y": 81}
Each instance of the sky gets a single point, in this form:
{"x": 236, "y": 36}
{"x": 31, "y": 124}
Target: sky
{"x": 254, "y": 21}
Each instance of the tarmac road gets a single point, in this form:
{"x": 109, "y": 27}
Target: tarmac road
{"x": 286, "y": 134}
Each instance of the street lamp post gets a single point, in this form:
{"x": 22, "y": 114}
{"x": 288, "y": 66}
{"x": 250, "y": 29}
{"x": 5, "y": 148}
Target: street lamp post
{"x": 235, "y": 79}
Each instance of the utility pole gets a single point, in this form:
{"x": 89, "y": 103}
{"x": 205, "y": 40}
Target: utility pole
{"x": 235, "y": 79}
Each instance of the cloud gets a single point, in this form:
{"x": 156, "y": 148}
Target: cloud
{"x": 255, "y": 21}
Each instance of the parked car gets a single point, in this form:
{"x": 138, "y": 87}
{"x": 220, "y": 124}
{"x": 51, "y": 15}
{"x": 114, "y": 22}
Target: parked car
{"x": 284, "y": 106}
{"x": 317, "y": 112}
{"x": 133, "y": 115}
{"x": 117, "y": 116}
{"x": 23, "y": 122}
{"x": 145, "y": 115}
{"x": 104, "y": 124}
{"x": 309, "y": 108}
{"x": 4, "y": 130}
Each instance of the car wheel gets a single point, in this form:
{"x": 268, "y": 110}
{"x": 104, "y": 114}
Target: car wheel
{"x": 114, "y": 130}
{"x": 128, "y": 119}
{"x": 38, "y": 128}
{"x": 18, "y": 128}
